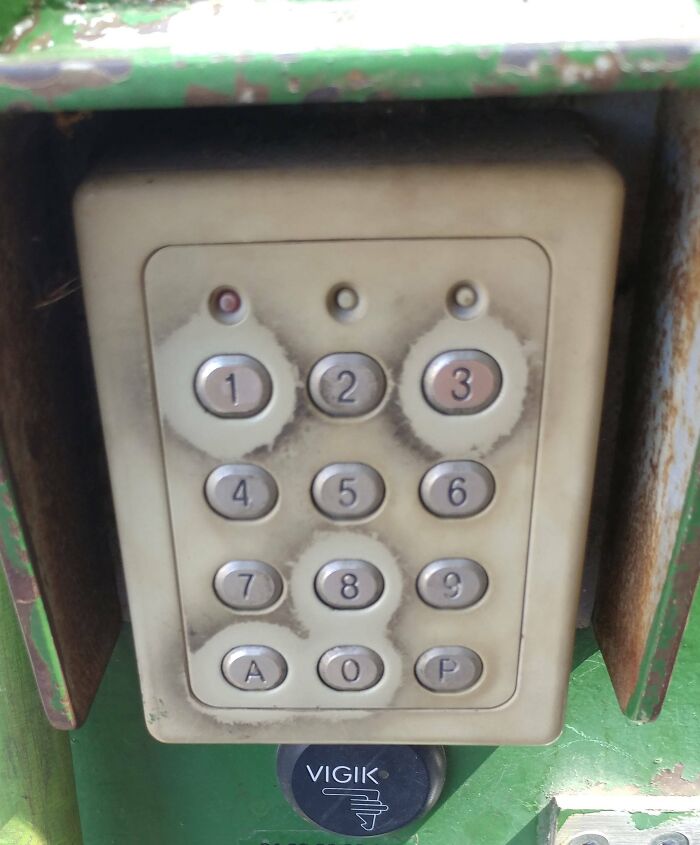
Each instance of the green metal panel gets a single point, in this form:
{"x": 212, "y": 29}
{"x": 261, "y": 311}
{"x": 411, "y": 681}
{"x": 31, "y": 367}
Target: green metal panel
{"x": 134, "y": 790}
{"x": 124, "y": 55}
{"x": 37, "y": 793}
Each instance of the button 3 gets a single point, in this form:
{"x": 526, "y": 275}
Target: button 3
{"x": 463, "y": 381}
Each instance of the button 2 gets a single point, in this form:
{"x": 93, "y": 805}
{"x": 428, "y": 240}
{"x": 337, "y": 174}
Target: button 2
{"x": 449, "y": 668}
{"x": 349, "y": 584}
{"x": 254, "y": 667}
{"x": 233, "y": 386}
{"x": 463, "y": 381}
{"x": 248, "y": 584}
{"x": 241, "y": 491}
{"x": 452, "y": 583}
{"x": 347, "y": 491}
{"x": 457, "y": 488}
{"x": 350, "y": 667}
{"x": 347, "y": 384}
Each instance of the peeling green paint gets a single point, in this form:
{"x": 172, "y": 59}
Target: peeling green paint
{"x": 649, "y": 821}
{"x": 37, "y": 794}
{"x": 25, "y": 590}
{"x": 667, "y": 626}
{"x": 140, "y": 54}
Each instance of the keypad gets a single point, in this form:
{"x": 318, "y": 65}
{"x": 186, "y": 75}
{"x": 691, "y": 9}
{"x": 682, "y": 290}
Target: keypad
{"x": 351, "y": 385}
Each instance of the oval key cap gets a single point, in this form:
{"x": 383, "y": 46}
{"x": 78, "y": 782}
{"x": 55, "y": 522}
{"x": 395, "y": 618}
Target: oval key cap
{"x": 248, "y": 584}
{"x": 233, "y": 386}
{"x": 452, "y": 583}
{"x": 347, "y": 384}
{"x": 449, "y": 668}
{"x": 347, "y": 490}
{"x": 241, "y": 491}
{"x": 462, "y": 381}
{"x": 254, "y": 667}
{"x": 349, "y": 584}
{"x": 350, "y": 667}
{"x": 457, "y": 488}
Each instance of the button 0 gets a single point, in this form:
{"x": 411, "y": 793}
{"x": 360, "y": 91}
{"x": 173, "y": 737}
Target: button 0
{"x": 233, "y": 386}
{"x": 350, "y": 667}
{"x": 241, "y": 491}
{"x": 248, "y": 584}
{"x": 349, "y": 584}
{"x": 463, "y": 381}
{"x": 457, "y": 488}
{"x": 254, "y": 667}
{"x": 452, "y": 583}
{"x": 347, "y": 384}
{"x": 347, "y": 491}
{"x": 449, "y": 668}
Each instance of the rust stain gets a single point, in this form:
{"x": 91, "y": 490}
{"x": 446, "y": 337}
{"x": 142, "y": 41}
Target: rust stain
{"x": 672, "y": 782}
{"x": 642, "y": 528}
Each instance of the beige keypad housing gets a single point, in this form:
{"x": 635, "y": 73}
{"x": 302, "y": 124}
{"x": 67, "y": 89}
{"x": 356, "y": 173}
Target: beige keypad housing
{"x": 351, "y": 414}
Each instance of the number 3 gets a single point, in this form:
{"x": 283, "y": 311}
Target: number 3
{"x": 464, "y": 377}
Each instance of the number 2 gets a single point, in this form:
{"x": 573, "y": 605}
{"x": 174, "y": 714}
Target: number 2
{"x": 344, "y": 395}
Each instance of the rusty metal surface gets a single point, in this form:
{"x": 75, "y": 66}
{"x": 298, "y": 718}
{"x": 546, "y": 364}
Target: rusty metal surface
{"x": 651, "y": 570}
{"x": 67, "y": 55}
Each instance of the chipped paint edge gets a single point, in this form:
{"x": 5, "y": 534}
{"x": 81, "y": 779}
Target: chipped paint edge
{"x": 34, "y": 621}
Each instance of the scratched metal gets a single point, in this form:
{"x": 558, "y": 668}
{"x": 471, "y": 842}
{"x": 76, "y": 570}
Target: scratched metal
{"x": 651, "y": 571}
{"x": 68, "y": 55}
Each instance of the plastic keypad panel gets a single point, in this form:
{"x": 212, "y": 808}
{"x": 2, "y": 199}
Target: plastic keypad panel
{"x": 404, "y": 430}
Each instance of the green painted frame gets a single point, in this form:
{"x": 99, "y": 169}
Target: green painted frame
{"x": 184, "y": 53}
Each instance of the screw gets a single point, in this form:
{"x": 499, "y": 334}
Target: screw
{"x": 589, "y": 839}
{"x": 675, "y": 838}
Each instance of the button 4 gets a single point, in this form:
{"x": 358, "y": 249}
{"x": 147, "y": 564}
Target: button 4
{"x": 241, "y": 491}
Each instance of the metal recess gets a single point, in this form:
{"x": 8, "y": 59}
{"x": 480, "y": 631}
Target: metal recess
{"x": 95, "y": 55}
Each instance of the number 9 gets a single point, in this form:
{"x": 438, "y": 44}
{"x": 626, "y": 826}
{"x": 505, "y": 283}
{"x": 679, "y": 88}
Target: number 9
{"x": 453, "y": 585}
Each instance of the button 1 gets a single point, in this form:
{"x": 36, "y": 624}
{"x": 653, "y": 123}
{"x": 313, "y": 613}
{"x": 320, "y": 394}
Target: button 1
{"x": 248, "y": 584}
{"x": 241, "y": 491}
{"x": 452, "y": 583}
{"x": 457, "y": 488}
{"x": 449, "y": 668}
{"x": 349, "y": 584}
{"x": 463, "y": 381}
{"x": 350, "y": 667}
{"x": 347, "y": 491}
{"x": 347, "y": 384}
{"x": 233, "y": 386}
{"x": 254, "y": 667}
